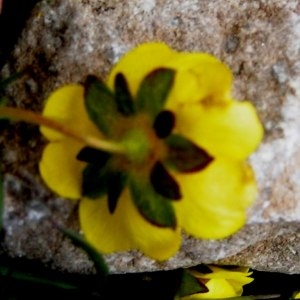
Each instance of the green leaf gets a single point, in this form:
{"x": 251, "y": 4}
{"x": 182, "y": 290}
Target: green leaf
{"x": 123, "y": 97}
{"x": 154, "y": 90}
{"x": 93, "y": 254}
{"x": 190, "y": 285}
{"x": 152, "y": 206}
{"x": 185, "y": 156}
{"x": 100, "y": 104}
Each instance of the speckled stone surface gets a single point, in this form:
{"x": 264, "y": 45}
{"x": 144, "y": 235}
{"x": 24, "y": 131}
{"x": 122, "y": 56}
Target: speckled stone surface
{"x": 66, "y": 40}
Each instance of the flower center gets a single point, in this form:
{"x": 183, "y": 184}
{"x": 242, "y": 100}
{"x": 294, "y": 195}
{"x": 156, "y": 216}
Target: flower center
{"x": 143, "y": 129}
{"x": 143, "y": 145}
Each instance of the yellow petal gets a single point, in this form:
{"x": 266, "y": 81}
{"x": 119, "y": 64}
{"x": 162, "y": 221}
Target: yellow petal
{"x": 214, "y": 200}
{"x": 125, "y": 229}
{"x": 200, "y": 78}
{"x": 218, "y": 288}
{"x": 137, "y": 63}
{"x": 297, "y": 295}
{"x": 223, "y": 282}
{"x": 237, "y": 277}
{"x": 66, "y": 105}
{"x": 231, "y": 130}
{"x": 60, "y": 169}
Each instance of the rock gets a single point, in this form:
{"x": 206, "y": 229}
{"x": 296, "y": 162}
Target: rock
{"x": 66, "y": 40}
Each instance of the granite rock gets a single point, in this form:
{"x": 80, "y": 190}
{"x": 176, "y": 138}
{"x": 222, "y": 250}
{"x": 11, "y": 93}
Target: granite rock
{"x": 65, "y": 40}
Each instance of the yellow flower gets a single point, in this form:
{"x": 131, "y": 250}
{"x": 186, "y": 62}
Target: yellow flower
{"x": 222, "y": 283}
{"x": 296, "y": 295}
{"x": 210, "y": 191}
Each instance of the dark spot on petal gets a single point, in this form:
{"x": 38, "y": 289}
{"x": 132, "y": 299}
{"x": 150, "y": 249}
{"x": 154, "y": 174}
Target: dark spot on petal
{"x": 164, "y": 124}
{"x": 163, "y": 183}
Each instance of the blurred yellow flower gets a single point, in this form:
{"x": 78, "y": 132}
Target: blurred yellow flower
{"x": 186, "y": 140}
{"x": 222, "y": 282}
{"x": 296, "y": 295}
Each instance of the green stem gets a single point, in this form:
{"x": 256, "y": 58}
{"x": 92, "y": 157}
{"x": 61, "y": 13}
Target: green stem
{"x": 18, "y": 114}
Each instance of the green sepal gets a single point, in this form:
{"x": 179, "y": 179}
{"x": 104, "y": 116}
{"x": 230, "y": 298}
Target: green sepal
{"x": 94, "y": 181}
{"x": 184, "y": 155}
{"x": 190, "y": 285}
{"x": 115, "y": 185}
{"x": 123, "y": 96}
{"x": 153, "y": 207}
{"x": 154, "y": 90}
{"x": 93, "y": 156}
{"x": 98, "y": 182}
{"x": 164, "y": 123}
{"x": 163, "y": 183}
{"x": 93, "y": 254}
{"x": 100, "y": 104}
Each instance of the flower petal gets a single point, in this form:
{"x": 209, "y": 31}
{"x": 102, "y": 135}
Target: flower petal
{"x": 66, "y": 105}
{"x": 223, "y": 282}
{"x": 200, "y": 78}
{"x": 232, "y": 130}
{"x": 125, "y": 229}
{"x": 296, "y": 295}
{"x": 218, "y": 289}
{"x": 238, "y": 275}
{"x": 214, "y": 200}
{"x": 60, "y": 169}
{"x": 136, "y": 64}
